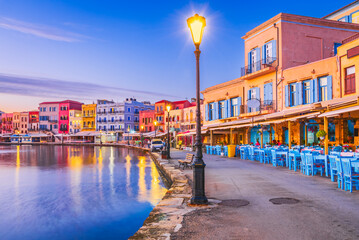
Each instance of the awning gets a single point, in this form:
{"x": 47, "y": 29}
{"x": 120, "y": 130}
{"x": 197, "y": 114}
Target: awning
{"x": 340, "y": 111}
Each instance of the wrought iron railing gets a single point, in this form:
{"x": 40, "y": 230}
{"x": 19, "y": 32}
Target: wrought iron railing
{"x": 266, "y": 105}
{"x": 259, "y": 65}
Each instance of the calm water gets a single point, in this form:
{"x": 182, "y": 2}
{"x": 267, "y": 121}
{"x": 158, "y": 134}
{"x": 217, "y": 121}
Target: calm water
{"x": 55, "y": 192}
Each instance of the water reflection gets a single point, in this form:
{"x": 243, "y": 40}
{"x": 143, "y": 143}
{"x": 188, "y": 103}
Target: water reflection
{"x": 62, "y": 192}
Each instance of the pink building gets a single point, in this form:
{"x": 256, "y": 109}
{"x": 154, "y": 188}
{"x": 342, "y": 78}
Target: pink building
{"x": 6, "y": 123}
{"x": 54, "y": 116}
{"x": 64, "y": 114}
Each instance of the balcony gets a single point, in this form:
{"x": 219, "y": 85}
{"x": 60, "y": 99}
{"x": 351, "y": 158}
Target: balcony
{"x": 265, "y": 107}
{"x": 51, "y": 121}
{"x": 259, "y": 68}
{"x": 88, "y": 115}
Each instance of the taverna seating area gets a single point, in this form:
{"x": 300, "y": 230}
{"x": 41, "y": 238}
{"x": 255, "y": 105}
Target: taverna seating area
{"x": 339, "y": 165}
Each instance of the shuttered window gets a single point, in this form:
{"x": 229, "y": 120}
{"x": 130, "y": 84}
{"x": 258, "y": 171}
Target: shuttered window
{"x": 292, "y": 94}
{"x": 323, "y": 88}
{"x": 221, "y": 110}
{"x": 349, "y": 80}
{"x": 306, "y": 92}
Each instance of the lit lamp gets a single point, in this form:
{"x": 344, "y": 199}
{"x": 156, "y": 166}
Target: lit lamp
{"x": 100, "y": 136}
{"x": 196, "y": 24}
{"x": 155, "y": 122}
{"x": 168, "y": 107}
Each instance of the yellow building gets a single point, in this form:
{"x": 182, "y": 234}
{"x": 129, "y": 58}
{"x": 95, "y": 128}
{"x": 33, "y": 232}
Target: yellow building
{"x": 75, "y": 121}
{"x": 89, "y": 117}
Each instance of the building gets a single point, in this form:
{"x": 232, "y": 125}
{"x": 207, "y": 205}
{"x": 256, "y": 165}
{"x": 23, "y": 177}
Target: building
{"x": 24, "y": 123}
{"x": 7, "y": 125}
{"x": 54, "y": 116}
{"x": 75, "y": 121}
{"x": 121, "y": 117}
{"x": 89, "y": 117}
{"x": 290, "y": 75}
{"x": 33, "y": 126}
{"x": 348, "y": 13}
{"x": 147, "y": 118}
{"x": 16, "y": 122}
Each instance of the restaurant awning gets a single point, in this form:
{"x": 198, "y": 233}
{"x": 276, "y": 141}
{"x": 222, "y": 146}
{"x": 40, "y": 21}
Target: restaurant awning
{"x": 339, "y": 111}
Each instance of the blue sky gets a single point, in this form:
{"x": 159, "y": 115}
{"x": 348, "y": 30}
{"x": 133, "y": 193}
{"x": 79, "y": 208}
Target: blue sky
{"x": 84, "y": 50}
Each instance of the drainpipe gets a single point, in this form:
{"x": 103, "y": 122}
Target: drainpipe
{"x": 276, "y": 69}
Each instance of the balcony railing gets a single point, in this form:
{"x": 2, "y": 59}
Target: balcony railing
{"x": 259, "y": 65}
{"x": 266, "y": 105}
{"x": 51, "y": 121}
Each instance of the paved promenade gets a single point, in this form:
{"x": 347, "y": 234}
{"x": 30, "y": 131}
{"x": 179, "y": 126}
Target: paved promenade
{"x": 323, "y": 210}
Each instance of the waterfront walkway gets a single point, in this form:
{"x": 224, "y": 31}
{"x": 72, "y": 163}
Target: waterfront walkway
{"x": 323, "y": 210}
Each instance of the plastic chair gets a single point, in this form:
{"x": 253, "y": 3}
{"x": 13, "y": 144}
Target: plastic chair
{"x": 208, "y": 149}
{"x": 267, "y": 156}
{"x": 218, "y": 150}
{"x": 340, "y": 174}
{"x": 349, "y": 176}
{"x": 225, "y": 150}
{"x": 277, "y": 160}
{"x": 333, "y": 167}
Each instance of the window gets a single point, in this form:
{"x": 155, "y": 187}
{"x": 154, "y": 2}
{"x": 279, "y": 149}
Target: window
{"x": 129, "y": 118}
{"x": 128, "y": 109}
{"x": 292, "y": 93}
{"x": 234, "y": 107}
{"x": 268, "y": 53}
{"x": 306, "y": 92}
{"x": 221, "y": 110}
{"x": 355, "y": 17}
{"x": 44, "y": 109}
{"x": 210, "y": 112}
{"x": 323, "y": 88}
{"x": 253, "y": 60}
{"x": 344, "y": 19}
{"x": 349, "y": 80}
{"x": 253, "y": 94}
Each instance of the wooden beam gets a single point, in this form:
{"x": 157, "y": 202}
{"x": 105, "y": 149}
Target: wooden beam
{"x": 326, "y": 140}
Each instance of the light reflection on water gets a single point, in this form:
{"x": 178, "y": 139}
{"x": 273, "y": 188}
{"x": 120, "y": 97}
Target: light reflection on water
{"x": 55, "y": 192}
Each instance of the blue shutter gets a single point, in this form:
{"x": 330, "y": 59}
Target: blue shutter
{"x": 348, "y": 18}
{"x": 249, "y": 62}
{"x": 274, "y": 50}
{"x": 330, "y": 88}
{"x": 300, "y": 93}
{"x": 258, "y": 56}
{"x": 215, "y": 110}
{"x": 239, "y": 105}
{"x": 315, "y": 90}
{"x": 265, "y": 92}
{"x": 206, "y": 112}
{"x": 264, "y": 54}
{"x": 229, "y": 108}
{"x": 270, "y": 91}
{"x": 249, "y": 98}
{"x": 225, "y": 115}
{"x": 258, "y": 96}
{"x": 286, "y": 100}
{"x": 311, "y": 89}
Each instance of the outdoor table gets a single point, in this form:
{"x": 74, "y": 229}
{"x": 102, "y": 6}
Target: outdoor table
{"x": 322, "y": 158}
{"x": 285, "y": 153}
{"x": 261, "y": 153}
{"x": 355, "y": 165}
{"x": 295, "y": 155}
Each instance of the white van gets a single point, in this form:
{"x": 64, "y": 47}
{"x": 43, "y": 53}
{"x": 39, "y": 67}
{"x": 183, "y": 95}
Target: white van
{"x": 156, "y": 145}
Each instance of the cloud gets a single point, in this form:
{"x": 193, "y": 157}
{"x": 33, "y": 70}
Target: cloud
{"x": 41, "y": 31}
{"x": 60, "y": 89}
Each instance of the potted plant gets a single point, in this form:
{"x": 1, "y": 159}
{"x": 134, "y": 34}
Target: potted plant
{"x": 321, "y": 134}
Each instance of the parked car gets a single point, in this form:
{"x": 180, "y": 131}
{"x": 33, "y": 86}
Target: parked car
{"x": 156, "y": 145}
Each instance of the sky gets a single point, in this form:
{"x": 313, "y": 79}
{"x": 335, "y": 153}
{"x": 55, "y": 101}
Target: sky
{"x": 112, "y": 49}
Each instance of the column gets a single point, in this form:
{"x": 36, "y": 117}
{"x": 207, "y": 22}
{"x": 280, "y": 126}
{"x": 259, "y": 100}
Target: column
{"x": 261, "y": 137}
{"x": 231, "y": 136}
{"x": 211, "y": 137}
{"x": 326, "y": 140}
{"x": 305, "y": 134}
{"x": 289, "y": 134}
{"x": 270, "y": 133}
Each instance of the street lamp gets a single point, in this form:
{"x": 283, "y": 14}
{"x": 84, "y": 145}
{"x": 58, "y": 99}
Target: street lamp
{"x": 142, "y": 127}
{"x": 101, "y": 137}
{"x": 196, "y": 24}
{"x": 155, "y": 127}
{"x": 168, "y": 131}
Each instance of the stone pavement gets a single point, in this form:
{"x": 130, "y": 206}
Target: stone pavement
{"x": 323, "y": 210}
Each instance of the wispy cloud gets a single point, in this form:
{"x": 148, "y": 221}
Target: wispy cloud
{"x": 41, "y": 31}
{"x": 54, "y": 88}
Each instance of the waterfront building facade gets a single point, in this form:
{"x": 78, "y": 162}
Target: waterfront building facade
{"x": 64, "y": 114}
{"x": 16, "y": 122}
{"x": 75, "y": 121}
{"x": 7, "y": 126}
{"x": 120, "y": 117}
{"x": 24, "y": 123}
{"x": 291, "y": 74}
{"x": 89, "y": 117}
{"x": 147, "y": 118}
{"x": 33, "y": 126}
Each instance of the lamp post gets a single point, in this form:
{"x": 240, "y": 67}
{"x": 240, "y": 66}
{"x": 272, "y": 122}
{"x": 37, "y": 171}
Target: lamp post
{"x": 128, "y": 135}
{"x": 101, "y": 137}
{"x": 168, "y": 131}
{"x": 196, "y": 24}
{"x": 155, "y": 127}
{"x": 142, "y": 127}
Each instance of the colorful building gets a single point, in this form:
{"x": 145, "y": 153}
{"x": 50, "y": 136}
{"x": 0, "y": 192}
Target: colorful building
{"x": 16, "y": 122}
{"x": 147, "y": 118}
{"x": 64, "y": 114}
{"x": 24, "y": 123}
{"x": 89, "y": 117}
{"x": 291, "y": 72}
{"x": 7, "y": 125}
{"x": 33, "y": 126}
{"x": 75, "y": 121}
